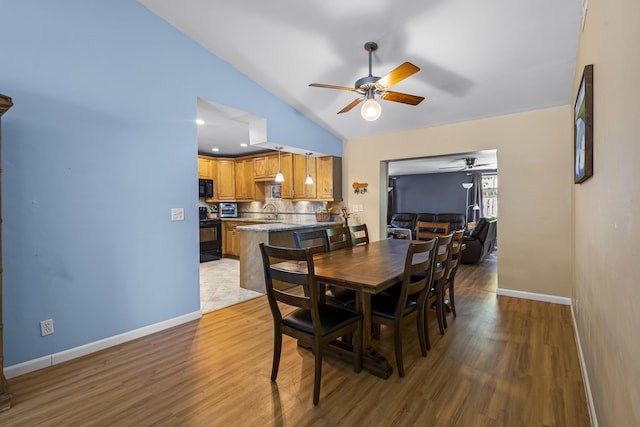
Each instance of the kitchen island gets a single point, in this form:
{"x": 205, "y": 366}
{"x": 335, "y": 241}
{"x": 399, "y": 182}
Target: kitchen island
{"x": 273, "y": 233}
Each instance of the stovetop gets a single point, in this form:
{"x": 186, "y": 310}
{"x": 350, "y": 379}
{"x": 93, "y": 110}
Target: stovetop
{"x": 210, "y": 221}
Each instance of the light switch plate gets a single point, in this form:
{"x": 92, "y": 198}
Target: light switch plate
{"x": 177, "y": 214}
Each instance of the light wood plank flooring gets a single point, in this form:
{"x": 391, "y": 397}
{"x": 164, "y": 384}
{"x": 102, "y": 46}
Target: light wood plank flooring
{"x": 502, "y": 362}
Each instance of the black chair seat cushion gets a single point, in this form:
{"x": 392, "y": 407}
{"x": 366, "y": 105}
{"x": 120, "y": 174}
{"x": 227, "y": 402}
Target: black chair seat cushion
{"x": 341, "y": 297}
{"x": 384, "y": 305}
{"x": 331, "y": 318}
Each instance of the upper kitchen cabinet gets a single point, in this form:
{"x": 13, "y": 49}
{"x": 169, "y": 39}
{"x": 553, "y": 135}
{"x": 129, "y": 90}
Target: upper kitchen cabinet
{"x": 224, "y": 185}
{"x": 247, "y": 189}
{"x": 286, "y": 167}
{"x": 303, "y": 166}
{"x": 205, "y": 167}
{"x": 329, "y": 178}
{"x": 265, "y": 168}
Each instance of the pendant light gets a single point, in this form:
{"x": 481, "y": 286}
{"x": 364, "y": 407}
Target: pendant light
{"x": 309, "y": 180}
{"x": 279, "y": 176}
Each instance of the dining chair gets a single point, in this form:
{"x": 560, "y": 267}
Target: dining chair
{"x": 337, "y": 238}
{"x": 448, "y": 284}
{"x": 311, "y": 321}
{"x": 315, "y": 240}
{"x": 438, "y": 276}
{"x": 358, "y": 234}
{"x": 426, "y": 230}
{"x": 392, "y": 308}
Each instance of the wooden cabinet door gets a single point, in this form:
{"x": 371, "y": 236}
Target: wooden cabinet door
{"x": 329, "y": 178}
{"x": 265, "y": 168}
{"x": 226, "y": 179}
{"x": 286, "y": 167}
{"x": 230, "y": 241}
{"x": 245, "y": 185}
{"x": 272, "y": 165}
{"x": 300, "y": 189}
{"x": 260, "y": 167}
{"x": 205, "y": 169}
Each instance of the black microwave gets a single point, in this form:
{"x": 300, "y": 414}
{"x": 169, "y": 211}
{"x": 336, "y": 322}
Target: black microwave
{"x": 205, "y": 188}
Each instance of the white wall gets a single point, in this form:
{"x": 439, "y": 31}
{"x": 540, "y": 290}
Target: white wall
{"x": 535, "y": 172}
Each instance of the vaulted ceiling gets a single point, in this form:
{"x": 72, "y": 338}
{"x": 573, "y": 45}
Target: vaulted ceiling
{"x": 477, "y": 59}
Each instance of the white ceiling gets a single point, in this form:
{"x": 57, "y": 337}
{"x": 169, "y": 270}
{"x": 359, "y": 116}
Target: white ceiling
{"x": 482, "y": 161}
{"x": 478, "y": 58}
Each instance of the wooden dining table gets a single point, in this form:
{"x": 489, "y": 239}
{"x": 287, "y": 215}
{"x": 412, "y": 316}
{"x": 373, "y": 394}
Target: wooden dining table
{"x": 367, "y": 269}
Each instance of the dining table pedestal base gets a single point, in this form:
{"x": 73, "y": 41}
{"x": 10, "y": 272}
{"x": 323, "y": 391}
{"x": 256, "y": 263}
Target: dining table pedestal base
{"x": 372, "y": 361}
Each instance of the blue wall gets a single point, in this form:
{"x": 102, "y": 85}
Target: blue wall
{"x": 99, "y": 146}
{"x": 434, "y": 193}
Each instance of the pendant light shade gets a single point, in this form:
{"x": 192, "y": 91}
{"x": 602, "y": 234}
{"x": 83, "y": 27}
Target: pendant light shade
{"x": 279, "y": 176}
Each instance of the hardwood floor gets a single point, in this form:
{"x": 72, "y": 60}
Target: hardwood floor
{"x": 502, "y": 362}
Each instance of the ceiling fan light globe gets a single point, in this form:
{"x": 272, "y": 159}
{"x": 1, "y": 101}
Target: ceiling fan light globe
{"x": 371, "y": 110}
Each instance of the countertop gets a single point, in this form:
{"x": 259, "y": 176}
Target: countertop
{"x": 283, "y": 226}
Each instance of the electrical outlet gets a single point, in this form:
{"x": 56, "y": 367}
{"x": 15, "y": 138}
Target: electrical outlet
{"x": 46, "y": 327}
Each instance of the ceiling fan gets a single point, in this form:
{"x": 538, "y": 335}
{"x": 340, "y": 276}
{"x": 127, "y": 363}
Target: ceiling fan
{"x": 371, "y": 85}
{"x": 469, "y": 163}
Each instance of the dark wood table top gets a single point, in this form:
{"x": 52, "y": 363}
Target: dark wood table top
{"x": 369, "y": 268}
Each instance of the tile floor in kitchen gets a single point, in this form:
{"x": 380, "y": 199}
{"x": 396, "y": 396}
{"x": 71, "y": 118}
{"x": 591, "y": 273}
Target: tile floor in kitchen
{"x": 220, "y": 285}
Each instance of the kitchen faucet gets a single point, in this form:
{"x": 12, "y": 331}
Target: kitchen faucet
{"x": 275, "y": 209}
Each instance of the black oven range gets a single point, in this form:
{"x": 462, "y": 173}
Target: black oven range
{"x": 210, "y": 238}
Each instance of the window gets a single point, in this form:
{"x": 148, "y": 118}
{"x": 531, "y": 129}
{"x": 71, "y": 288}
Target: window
{"x": 490, "y": 195}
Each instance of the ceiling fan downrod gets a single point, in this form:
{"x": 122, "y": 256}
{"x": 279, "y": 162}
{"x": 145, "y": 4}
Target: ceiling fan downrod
{"x": 366, "y": 83}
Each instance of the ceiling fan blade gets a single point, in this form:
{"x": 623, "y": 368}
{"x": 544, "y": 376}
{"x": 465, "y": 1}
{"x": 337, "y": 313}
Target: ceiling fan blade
{"x": 351, "y": 105}
{"x": 332, "y": 86}
{"x": 398, "y": 74}
{"x": 401, "y": 97}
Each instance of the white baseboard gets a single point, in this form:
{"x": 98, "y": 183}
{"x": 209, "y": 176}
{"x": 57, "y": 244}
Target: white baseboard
{"x": 533, "y": 296}
{"x": 83, "y": 350}
{"x": 585, "y": 376}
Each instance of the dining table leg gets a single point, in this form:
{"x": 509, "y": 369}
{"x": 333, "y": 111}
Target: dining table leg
{"x": 372, "y": 361}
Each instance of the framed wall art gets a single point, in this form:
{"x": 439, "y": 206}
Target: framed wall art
{"x": 583, "y": 128}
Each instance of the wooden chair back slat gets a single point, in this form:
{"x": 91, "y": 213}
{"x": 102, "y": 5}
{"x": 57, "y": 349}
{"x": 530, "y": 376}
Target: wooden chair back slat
{"x": 358, "y": 234}
{"x": 337, "y": 238}
{"x": 315, "y": 240}
{"x": 426, "y": 230}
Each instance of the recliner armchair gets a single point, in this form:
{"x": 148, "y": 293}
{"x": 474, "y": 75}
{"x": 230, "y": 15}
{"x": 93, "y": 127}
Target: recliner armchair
{"x": 404, "y": 220}
{"x": 480, "y": 242}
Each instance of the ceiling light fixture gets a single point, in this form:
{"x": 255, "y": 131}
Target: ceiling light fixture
{"x": 200, "y": 121}
{"x": 371, "y": 109}
{"x": 243, "y": 145}
{"x": 215, "y": 149}
{"x": 309, "y": 180}
{"x": 279, "y": 176}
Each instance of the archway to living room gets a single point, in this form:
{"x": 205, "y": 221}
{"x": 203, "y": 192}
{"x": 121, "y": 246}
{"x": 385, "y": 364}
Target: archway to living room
{"x": 460, "y": 189}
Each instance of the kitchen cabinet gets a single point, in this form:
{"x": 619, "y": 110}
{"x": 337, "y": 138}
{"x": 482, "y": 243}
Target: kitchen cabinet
{"x": 225, "y": 180}
{"x": 329, "y": 178}
{"x": 247, "y": 189}
{"x": 205, "y": 167}
{"x": 5, "y": 391}
{"x": 231, "y": 239}
{"x": 265, "y": 168}
{"x": 244, "y": 180}
{"x": 300, "y": 189}
{"x": 286, "y": 167}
